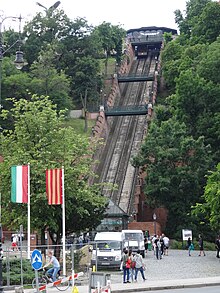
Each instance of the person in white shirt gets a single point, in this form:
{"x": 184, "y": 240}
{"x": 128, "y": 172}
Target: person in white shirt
{"x": 166, "y": 242}
{"x": 139, "y": 265}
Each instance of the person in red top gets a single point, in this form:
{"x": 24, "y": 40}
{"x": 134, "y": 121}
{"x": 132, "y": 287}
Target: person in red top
{"x": 126, "y": 266}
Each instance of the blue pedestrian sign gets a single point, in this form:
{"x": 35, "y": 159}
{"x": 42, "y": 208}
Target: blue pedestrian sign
{"x": 36, "y": 259}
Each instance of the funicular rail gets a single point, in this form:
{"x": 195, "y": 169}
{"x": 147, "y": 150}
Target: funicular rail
{"x": 124, "y": 139}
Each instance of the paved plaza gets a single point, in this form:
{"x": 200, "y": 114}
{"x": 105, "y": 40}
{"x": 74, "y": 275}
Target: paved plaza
{"x": 177, "y": 270}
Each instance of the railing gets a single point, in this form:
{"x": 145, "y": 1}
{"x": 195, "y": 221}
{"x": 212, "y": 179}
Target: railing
{"x": 144, "y": 39}
{"x": 136, "y": 77}
{"x": 126, "y": 110}
{"x": 18, "y": 271}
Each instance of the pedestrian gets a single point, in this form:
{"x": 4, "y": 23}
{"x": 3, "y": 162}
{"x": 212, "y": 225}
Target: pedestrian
{"x": 153, "y": 243}
{"x": 157, "y": 247}
{"x": 201, "y": 245}
{"x": 80, "y": 241}
{"x": 217, "y": 246}
{"x": 52, "y": 272}
{"x": 161, "y": 246}
{"x": 146, "y": 244}
{"x": 166, "y": 242}
{"x": 139, "y": 266}
{"x": 190, "y": 245}
{"x": 14, "y": 244}
{"x": 126, "y": 269}
{"x": 132, "y": 265}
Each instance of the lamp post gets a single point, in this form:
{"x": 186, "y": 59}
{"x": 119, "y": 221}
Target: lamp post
{"x": 155, "y": 218}
{"x": 19, "y": 62}
{"x": 51, "y": 8}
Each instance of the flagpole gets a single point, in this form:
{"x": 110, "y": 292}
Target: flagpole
{"x": 64, "y": 224}
{"x": 29, "y": 218}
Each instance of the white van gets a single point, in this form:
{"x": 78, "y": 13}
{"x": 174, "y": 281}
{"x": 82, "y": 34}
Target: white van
{"x": 134, "y": 240}
{"x": 107, "y": 249}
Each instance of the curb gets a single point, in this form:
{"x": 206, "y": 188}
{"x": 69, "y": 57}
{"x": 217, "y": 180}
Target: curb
{"x": 167, "y": 285}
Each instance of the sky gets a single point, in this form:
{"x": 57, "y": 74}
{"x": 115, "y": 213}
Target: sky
{"x": 128, "y": 14}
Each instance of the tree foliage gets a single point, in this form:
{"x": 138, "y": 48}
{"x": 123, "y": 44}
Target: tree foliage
{"x": 190, "y": 68}
{"x": 210, "y": 208}
{"x": 175, "y": 165}
{"x": 41, "y": 139}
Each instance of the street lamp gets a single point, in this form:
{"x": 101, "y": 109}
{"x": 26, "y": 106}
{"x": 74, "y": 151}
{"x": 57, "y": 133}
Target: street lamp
{"x": 19, "y": 60}
{"x": 19, "y": 63}
{"x": 51, "y": 8}
{"x": 155, "y": 218}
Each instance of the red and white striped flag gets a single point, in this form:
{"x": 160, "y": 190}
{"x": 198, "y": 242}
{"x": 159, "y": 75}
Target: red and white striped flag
{"x": 19, "y": 183}
{"x": 54, "y": 186}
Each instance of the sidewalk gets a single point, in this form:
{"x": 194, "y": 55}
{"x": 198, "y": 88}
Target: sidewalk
{"x": 159, "y": 285}
{"x": 177, "y": 270}
{"x": 147, "y": 285}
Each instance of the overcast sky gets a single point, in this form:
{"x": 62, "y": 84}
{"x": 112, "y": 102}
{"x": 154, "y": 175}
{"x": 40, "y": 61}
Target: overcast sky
{"x": 130, "y": 14}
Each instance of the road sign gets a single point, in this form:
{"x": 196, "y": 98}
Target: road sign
{"x": 36, "y": 259}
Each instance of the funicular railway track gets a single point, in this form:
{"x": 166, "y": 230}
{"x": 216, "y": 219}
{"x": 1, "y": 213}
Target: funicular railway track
{"x": 124, "y": 139}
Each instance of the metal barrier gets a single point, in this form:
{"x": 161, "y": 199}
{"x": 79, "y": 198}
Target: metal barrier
{"x": 60, "y": 281}
{"x": 99, "y": 282}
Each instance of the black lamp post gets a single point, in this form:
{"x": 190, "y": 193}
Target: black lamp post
{"x": 51, "y": 8}
{"x": 19, "y": 60}
{"x": 155, "y": 218}
{"x": 19, "y": 63}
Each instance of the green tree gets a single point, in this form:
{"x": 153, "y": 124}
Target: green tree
{"x": 186, "y": 23}
{"x": 191, "y": 95}
{"x": 110, "y": 37}
{"x": 42, "y": 30}
{"x": 209, "y": 65}
{"x": 170, "y": 60}
{"x": 209, "y": 209}
{"x": 14, "y": 85}
{"x": 175, "y": 164}
{"x": 206, "y": 29}
{"x": 41, "y": 139}
{"x": 47, "y": 81}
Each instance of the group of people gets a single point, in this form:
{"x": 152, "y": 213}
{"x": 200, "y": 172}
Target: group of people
{"x": 132, "y": 264}
{"x": 160, "y": 245}
{"x": 190, "y": 246}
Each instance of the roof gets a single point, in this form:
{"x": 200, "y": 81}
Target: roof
{"x": 155, "y": 28}
{"x": 114, "y": 210}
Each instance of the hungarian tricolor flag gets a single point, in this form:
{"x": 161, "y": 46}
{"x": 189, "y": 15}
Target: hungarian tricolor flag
{"x": 19, "y": 184}
{"x": 54, "y": 186}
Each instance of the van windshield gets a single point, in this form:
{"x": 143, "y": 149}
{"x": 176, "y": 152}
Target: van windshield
{"x": 134, "y": 236}
{"x": 108, "y": 245}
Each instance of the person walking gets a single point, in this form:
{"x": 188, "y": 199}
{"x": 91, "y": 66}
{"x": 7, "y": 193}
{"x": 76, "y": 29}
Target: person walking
{"x": 157, "y": 245}
{"x": 201, "y": 245}
{"x": 56, "y": 266}
{"x": 189, "y": 245}
{"x": 14, "y": 240}
{"x": 132, "y": 265}
{"x": 166, "y": 242}
{"x": 126, "y": 269}
{"x": 139, "y": 266}
{"x": 146, "y": 244}
{"x": 217, "y": 246}
{"x": 161, "y": 246}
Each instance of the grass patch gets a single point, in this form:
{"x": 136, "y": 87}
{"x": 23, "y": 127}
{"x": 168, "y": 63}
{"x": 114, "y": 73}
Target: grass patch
{"x": 78, "y": 124}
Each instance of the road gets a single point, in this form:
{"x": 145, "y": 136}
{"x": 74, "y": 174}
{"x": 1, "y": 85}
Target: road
{"x": 211, "y": 289}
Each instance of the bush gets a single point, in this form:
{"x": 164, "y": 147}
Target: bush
{"x": 174, "y": 244}
{"x": 14, "y": 265}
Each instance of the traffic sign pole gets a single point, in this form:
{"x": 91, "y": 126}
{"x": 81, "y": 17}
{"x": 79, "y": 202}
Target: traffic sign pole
{"x": 37, "y": 281}
{"x": 36, "y": 262}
